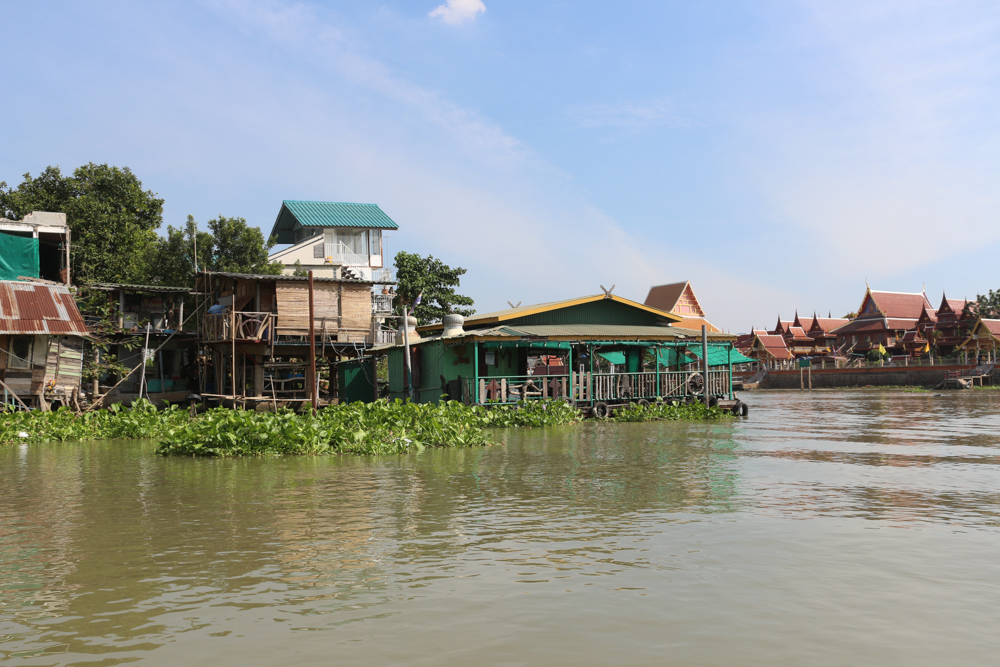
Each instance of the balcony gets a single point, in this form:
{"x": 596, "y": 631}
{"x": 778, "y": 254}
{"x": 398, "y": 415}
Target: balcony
{"x": 381, "y": 303}
{"x": 385, "y": 337}
{"x": 239, "y": 326}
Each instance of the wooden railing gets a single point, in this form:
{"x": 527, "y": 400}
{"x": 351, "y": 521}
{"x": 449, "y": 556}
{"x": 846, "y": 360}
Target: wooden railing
{"x": 613, "y": 388}
{"x": 239, "y": 325}
{"x": 514, "y": 388}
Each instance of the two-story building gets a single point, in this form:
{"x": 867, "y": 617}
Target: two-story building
{"x": 342, "y": 241}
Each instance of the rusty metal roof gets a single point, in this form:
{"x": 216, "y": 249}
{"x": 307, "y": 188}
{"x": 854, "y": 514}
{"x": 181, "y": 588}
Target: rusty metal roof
{"x": 31, "y": 308}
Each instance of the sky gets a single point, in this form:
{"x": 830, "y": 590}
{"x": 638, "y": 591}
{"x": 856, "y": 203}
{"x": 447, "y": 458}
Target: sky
{"x": 778, "y": 155}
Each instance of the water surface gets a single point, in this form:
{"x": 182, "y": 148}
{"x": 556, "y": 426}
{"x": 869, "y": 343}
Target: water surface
{"x": 829, "y": 528}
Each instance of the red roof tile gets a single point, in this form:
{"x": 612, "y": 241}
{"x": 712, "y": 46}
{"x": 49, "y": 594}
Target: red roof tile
{"x": 900, "y": 304}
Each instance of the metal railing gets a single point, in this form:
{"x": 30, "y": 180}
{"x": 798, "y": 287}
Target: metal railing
{"x": 385, "y": 336}
{"x": 338, "y": 253}
{"x": 382, "y": 303}
{"x": 382, "y": 275}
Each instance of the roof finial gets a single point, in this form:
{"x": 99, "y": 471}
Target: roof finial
{"x": 607, "y": 292}
{"x": 513, "y": 306}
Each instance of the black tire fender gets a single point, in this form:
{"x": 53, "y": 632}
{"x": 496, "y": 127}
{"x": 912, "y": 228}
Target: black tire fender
{"x": 601, "y": 410}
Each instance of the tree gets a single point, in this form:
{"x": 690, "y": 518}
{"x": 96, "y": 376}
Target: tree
{"x": 986, "y": 306}
{"x": 436, "y": 281}
{"x": 231, "y": 245}
{"x": 112, "y": 219}
{"x": 240, "y": 248}
{"x": 174, "y": 263}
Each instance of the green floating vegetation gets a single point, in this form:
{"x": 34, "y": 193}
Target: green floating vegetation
{"x": 382, "y": 427}
{"x": 668, "y": 411}
{"x": 143, "y": 420}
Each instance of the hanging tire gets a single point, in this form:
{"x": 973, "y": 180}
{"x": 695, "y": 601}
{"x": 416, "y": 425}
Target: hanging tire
{"x": 643, "y": 403}
{"x": 601, "y": 410}
{"x": 713, "y": 401}
{"x": 744, "y": 409}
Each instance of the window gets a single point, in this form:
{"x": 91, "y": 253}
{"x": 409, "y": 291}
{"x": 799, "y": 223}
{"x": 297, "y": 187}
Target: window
{"x": 376, "y": 241}
{"x": 20, "y": 352}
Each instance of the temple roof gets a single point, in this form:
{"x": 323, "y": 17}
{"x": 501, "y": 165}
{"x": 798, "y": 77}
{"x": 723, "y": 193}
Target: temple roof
{"x": 904, "y": 305}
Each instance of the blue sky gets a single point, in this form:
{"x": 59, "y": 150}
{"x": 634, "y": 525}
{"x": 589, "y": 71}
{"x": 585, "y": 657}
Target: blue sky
{"x": 776, "y": 154}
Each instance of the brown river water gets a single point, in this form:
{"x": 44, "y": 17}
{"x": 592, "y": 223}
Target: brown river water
{"x": 828, "y": 528}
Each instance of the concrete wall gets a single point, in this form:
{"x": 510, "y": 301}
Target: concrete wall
{"x": 859, "y": 377}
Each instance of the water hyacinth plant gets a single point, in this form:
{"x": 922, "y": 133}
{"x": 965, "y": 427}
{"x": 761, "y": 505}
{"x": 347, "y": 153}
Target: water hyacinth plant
{"x": 143, "y": 420}
{"x": 667, "y": 411}
{"x": 382, "y": 427}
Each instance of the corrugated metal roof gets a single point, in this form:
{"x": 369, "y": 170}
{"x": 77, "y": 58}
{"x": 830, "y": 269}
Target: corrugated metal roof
{"x": 584, "y": 331}
{"x": 30, "y": 308}
{"x": 482, "y": 319}
{"x": 265, "y": 276}
{"x": 328, "y": 214}
{"x": 107, "y": 287}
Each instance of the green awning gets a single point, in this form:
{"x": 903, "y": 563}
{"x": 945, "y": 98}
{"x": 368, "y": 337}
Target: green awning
{"x": 670, "y": 357}
{"x": 616, "y": 357}
{"x": 721, "y": 356}
{"x": 536, "y": 344}
{"x": 18, "y": 256}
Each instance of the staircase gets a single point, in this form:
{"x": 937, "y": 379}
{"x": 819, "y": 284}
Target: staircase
{"x": 754, "y": 380}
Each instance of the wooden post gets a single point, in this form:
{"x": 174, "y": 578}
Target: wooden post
{"x": 704, "y": 359}
{"x": 810, "y": 376}
{"x": 142, "y": 361}
{"x": 406, "y": 354}
{"x": 313, "y": 385}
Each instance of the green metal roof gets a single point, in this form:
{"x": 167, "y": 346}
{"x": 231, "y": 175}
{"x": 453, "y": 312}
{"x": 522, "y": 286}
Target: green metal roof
{"x": 327, "y": 214}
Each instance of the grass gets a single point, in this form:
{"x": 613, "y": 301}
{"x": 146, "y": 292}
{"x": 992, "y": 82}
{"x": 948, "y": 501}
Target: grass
{"x": 377, "y": 428}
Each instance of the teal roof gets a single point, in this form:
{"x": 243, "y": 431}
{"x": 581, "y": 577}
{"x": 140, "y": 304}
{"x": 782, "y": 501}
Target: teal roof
{"x": 327, "y": 214}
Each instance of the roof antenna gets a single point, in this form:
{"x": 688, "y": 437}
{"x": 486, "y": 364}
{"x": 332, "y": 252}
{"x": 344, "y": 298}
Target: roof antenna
{"x": 513, "y": 306}
{"x": 607, "y": 292}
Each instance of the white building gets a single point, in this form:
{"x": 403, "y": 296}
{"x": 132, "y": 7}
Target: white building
{"x": 341, "y": 241}
{"x": 334, "y": 239}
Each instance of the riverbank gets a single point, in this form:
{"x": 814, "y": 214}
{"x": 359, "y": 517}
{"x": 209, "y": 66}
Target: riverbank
{"x": 843, "y": 378}
{"x": 381, "y": 427}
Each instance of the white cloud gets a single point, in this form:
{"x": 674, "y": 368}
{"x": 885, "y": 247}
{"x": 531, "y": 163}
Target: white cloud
{"x": 630, "y": 116}
{"x": 454, "y": 12}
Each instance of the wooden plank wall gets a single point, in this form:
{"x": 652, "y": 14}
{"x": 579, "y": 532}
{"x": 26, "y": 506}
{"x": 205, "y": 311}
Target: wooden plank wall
{"x": 293, "y": 307}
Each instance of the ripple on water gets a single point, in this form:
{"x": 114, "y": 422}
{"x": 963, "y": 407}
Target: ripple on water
{"x": 829, "y": 527}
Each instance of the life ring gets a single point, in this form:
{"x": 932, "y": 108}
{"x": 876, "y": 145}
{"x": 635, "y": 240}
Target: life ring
{"x": 601, "y": 410}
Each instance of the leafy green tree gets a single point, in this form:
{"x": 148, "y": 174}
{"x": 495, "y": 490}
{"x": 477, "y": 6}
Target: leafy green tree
{"x": 174, "y": 263}
{"x": 112, "y": 219}
{"x": 231, "y": 245}
{"x": 986, "y": 306}
{"x": 240, "y": 248}
{"x": 436, "y": 281}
